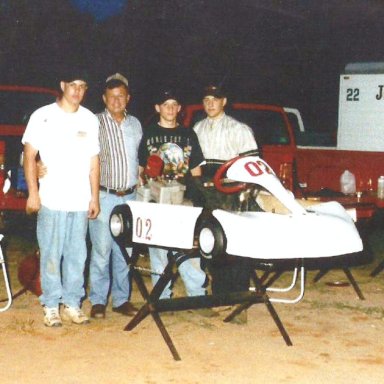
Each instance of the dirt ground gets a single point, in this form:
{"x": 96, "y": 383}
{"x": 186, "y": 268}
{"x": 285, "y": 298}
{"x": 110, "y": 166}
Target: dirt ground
{"x": 337, "y": 338}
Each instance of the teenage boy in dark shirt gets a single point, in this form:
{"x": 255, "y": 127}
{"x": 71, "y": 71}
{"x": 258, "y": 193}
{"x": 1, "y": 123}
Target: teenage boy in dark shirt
{"x": 182, "y": 157}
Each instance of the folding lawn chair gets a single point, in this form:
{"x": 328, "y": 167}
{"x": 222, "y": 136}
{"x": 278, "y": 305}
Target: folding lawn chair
{"x": 6, "y": 281}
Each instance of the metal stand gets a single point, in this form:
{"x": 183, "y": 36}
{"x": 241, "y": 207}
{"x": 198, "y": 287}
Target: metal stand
{"x": 6, "y": 281}
{"x": 153, "y": 305}
{"x": 377, "y": 269}
{"x": 349, "y": 275}
{"x": 272, "y": 273}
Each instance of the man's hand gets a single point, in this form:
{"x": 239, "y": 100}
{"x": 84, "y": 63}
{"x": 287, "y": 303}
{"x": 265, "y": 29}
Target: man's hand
{"x": 33, "y": 204}
{"x": 142, "y": 180}
{"x": 94, "y": 209}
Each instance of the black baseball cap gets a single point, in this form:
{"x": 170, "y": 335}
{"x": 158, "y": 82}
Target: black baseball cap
{"x": 165, "y": 95}
{"x": 214, "y": 90}
{"x": 73, "y": 73}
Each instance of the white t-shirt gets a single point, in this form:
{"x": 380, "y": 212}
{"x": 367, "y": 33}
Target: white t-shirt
{"x": 66, "y": 143}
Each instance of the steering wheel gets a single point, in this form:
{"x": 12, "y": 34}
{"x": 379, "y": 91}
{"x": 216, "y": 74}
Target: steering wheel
{"x": 219, "y": 178}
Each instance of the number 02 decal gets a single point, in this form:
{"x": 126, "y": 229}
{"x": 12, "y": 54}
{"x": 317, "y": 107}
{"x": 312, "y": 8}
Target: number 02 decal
{"x": 257, "y": 168}
{"x": 143, "y": 228}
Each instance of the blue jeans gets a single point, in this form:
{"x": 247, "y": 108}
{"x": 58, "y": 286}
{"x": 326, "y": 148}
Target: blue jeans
{"x": 105, "y": 251}
{"x": 193, "y": 276}
{"x": 63, "y": 251}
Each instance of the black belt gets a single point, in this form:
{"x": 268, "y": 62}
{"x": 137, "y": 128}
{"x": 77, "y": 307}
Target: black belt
{"x": 118, "y": 192}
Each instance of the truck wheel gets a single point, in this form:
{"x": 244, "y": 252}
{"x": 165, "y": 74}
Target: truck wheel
{"x": 120, "y": 224}
{"x": 211, "y": 239}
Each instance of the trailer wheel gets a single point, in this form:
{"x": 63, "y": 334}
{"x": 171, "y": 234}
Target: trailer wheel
{"x": 211, "y": 239}
{"x": 120, "y": 224}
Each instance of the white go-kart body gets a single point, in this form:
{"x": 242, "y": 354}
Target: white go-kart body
{"x": 286, "y": 228}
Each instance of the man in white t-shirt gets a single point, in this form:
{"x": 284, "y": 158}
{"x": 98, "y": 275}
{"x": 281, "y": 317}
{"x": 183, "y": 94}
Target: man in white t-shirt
{"x": 65, "y": 136}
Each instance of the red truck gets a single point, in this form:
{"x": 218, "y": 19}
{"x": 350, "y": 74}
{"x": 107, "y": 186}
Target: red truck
{"x": 16, "y": 105}
{"x": 310, "y": 172}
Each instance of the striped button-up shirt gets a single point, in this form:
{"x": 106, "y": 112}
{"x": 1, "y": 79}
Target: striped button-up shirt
{"x": 119, "y": 145}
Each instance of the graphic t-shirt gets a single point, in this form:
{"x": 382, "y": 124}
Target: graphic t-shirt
{"x": 178, "y": 147}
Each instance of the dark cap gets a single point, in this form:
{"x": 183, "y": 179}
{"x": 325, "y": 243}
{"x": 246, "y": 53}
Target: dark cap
{"x": 168, "y": 94}
{"x": 117, "y": 77}
{"x": 73, "y": 74}
{"x": 215, "y": 91}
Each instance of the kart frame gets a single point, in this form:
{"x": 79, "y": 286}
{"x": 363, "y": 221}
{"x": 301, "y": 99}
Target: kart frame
{"x": 154, "y": 305}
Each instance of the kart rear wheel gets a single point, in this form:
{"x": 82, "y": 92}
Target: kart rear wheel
{"x": 211, "y": 239}
{"x": 120, "y": 224}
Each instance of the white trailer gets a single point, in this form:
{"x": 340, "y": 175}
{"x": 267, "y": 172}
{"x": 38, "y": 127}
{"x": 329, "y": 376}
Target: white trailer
{"x": 361, "y": 111}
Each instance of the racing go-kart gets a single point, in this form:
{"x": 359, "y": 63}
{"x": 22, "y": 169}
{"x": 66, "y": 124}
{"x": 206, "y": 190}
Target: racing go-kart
{"x": 284, "y": 230}
{"x": 281, "y": 228}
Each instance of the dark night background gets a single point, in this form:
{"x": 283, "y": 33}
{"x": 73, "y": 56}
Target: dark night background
{"x": 283, "y": 52}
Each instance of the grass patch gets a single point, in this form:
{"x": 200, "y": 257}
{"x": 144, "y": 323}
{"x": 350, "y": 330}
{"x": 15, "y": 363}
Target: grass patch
{"x": 376, "y": 312}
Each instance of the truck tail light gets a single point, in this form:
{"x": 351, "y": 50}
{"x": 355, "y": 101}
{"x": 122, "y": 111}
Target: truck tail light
{"x": 286, "y": 175}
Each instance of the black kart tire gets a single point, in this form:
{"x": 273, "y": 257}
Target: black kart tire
{"x": 120, "y": 224}
{"x": 211, "y": 239}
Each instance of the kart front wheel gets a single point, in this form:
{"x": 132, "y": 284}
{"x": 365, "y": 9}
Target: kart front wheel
{"x": 211, "y": 239}
{"x": 120, "y": 224}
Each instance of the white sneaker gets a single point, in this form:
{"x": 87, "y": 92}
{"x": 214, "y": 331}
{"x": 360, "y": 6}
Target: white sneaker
{"x": 52, "y": 317}
{"x": 75, "y": 314}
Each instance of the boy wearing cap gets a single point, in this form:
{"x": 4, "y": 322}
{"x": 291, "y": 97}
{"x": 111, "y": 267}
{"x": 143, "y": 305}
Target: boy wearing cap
{"x": 65, "y": 135}
{"x": 119, "y": 137}
{"x": 222, "y": 138}
{"x": 180, "y": 151}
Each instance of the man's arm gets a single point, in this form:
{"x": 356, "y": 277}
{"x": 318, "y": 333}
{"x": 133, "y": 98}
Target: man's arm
{"x": 247, "y": 145}
{"x": 42, "y": 169}
{"x": 141, "y": 175}
{"x": 94, "y": 178}
{"x": 30, "y": 170}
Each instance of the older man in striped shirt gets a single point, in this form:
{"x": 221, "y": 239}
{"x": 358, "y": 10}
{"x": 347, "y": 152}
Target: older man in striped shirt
{"x": 119, "y": 136}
